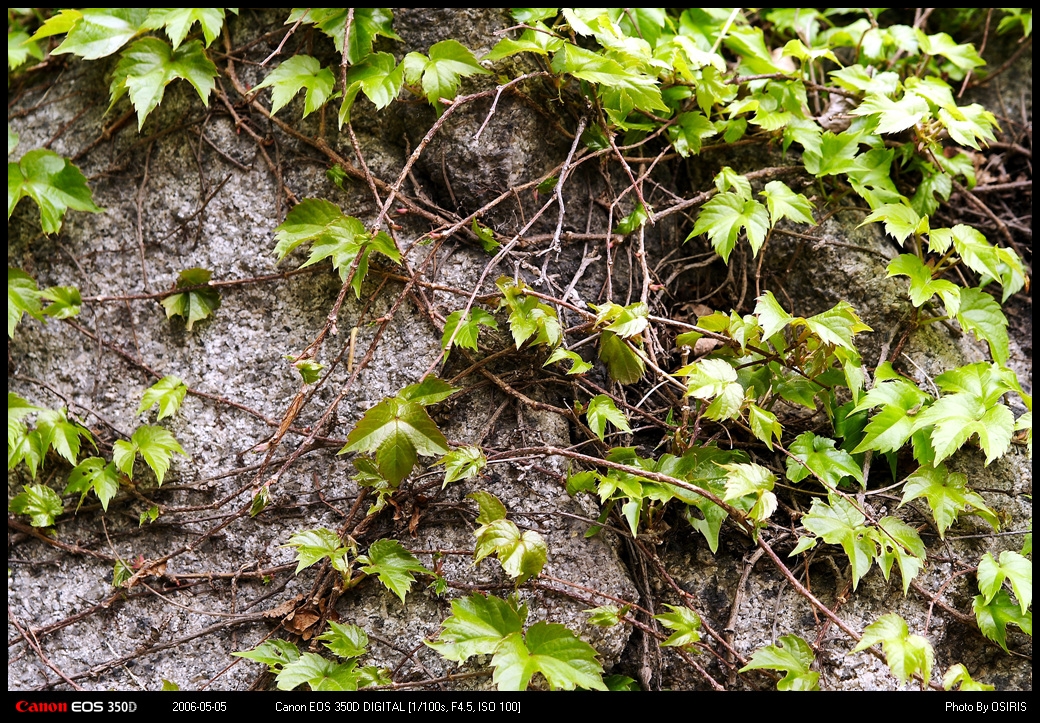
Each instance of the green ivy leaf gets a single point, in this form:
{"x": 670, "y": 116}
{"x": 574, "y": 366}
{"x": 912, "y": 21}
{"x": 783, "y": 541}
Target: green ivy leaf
{"x": 275, "y": 654}
{"x": 150, "y": 515}
{"x": 969, "y": 124}
{"x": 1013, "y": 568}
{"x": 429, "y": 391}
{"x": 300, "y": 72}
{"x": 393, "y": 564}
{"x": 837, "y": 325}
{"x": 345, "y": 641}
{"x": 820, "y": 457}
{"x": 397, "y": 430}
{"x": 53, "y": 182}
{"x": 764, "y": 425}
{"x": 467, "y": 326}
{"x": 963, "y": 56}
{"x": 607, "y": 616}
{"x": 477, "y": 626}
{"x": 177, "y": 22}
{"x": 893, "y": 116}
{"x": 714, "y": 379}
{"x": 633, "y": 221}
{"x": 993, "y": 617}
{"x": 462, "y": 463}
{"x": 899, "y": 542}
{"x": 57, "y": 432}
{"x": 19, "y": 48}
{"x": 905, "y": 654}
{"x": 839, "y": 523}
{"x": 578, "y": 365}
{"x": 537, "y": 39}
{"x": 315, "y": 545}
{"x": 601, "y": 410}
{"x": 149, "y": 65}
{"x": 723, "y": 217}
{"x": 624, "y": 365}
{"x": 95, "y": 32}
{"x": 23, "y": 297}
{"x": 684, "y": 623}
{"x": 168, "y": 393}
{"x": 958, "y": 677}
{"x": 900, "y": 400}
{"x": 40, "y": 502}
{"x": 566, "y": 661}
{"x": 837, "y": 154}
{"x": 319, "y": 673}
{"x": 980, "y": 314}
{"x": 368, "y": 24}
{"x": 922, "y": 286}
{"x": 947, "y": 496}
{"x": 522, "y": 554}
{"x": 771, "y": 315}
{"x": 194, "y": 305}
{"x": 156, "y": 446}
{"x": 744, "y": 480}
{"x": 491, "y": 508}
{"x": 65, "y": 301}
{"x": 379, "y": 76}
{"x": 442, "y": 72}
{"x": 625, "y": 321}
{"x": 689, "y": 130}
{"x": 93, "y": 474}
{"x": 785, "y": 203}
{"x": 793, "y": 656}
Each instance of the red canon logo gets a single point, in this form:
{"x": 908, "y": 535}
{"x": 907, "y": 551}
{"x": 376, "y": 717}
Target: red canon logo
{"x": 31, "y": 706}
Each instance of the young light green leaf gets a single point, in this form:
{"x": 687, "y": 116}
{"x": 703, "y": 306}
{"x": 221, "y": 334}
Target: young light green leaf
{"x": 714, "y": 379}
{"x": 578, "y": 365}
{"x": 688, "y": 132}
{"x": 764, "y": 425}
{"x": 969, "y": 124}
{"x": 839, "y": 523}
{"x": 65, "y": 301}
{"x": 970, "y": 411}
{"x": 947, "y": 496}
{"x": 771, "y": 315}
{"x": 723, "y": 217}
{"x": 633, "y": 221}
{"x": 441, "y": 73}
{"x": 94, "y": 32}
{"x": 149, "y": 65}
{"x": 40, "y": 502}
{"x": 379, "y": 76}
{"x": 319, "y": 673}
{"x": 465, "y": 328}
{"x": 836, "y": 154}
{"x": 963, "y": 56}
{"x": 522, "y": 554}
{"x": 177, "y": 22}
{"x": 345, "y": 641}
{"x": 194, "y": 305}
{"x": 684, "y": 623}
{"x": 150, "y": 515}
{"x": 743, "y": 480}
{"x": 922, "y": 285}
{"x": 818, "y": 455}
{"x": 491, "y": 508}
{"x": 394, "y": 565}
{"x": 168, "y": 393}
{"x": 300, "y": 72}
{"x": 94, "y": 474}
{"x": 23, "y": 297}
{"x": 993, "y": 617}
{"x": 53, "y": 182}
{"x": 791, "y": 655}
{"x": 625, "y": 321}
{"x": 607, "y": 616}
{"x": 368, "y": 24}
{"x": 1013, "y": 568}
{"x": 566, "y": 661}
{"x": 905, "y": 654}
{"x": 58, "y": 433}
{"x": 980, "y": 314}
{"x": 623, "y": 364}
{"x": 397, "y": 430}
{"x": 156, "y": 446}
{"x": 601, "y": 410}
{"x": 537, "y": 39}
{"x": 893, "y": 116}
{"x": 477, "y": 626}
{"x": 900, "y": 542}
{"x": 462, "y": 463}
{"x": 785, "y": 203}
{"x": 429, "y": 391}
{"x": 837, "y": 325}
{"x": 275, "y": 654}
{"x": 958, "y": 677}
{"x": 315, "y": 545}
{"x": 19, "y": 48}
